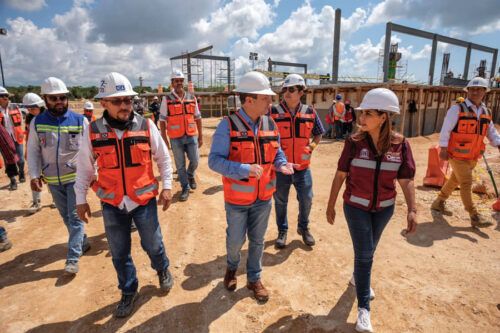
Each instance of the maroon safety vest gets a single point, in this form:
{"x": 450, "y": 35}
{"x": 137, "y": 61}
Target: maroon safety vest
{"x": 371, "y": 181}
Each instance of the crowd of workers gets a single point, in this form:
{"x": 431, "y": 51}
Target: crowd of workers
{"x": 260, "y": 150}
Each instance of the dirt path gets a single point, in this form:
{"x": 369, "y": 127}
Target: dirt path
{"x": 444, "y": 279}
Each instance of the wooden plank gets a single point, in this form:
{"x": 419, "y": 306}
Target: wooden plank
{"x": 419, "y": 112}
{"x": 403, "y": 112}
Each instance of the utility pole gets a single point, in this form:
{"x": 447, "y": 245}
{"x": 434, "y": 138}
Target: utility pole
{"x": 3, "y": 32}
{"x": 141, "y": 80}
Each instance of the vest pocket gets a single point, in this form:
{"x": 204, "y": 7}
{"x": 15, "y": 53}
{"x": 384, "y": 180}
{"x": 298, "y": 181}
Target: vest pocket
{"x": 270, "y": 150}
{"x": 174, "y": 109}
{"x": 305, "y": 129}
{"x": 73, "y": 141}
{"x": 107, "y": 157}
{"x": 467, "y": 126}
{"x": 285, "y": 131}
{"x": 140, "y": 153}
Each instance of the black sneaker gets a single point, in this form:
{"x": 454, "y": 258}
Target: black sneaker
{"x": 192, "y": 183}
{"x": 166, "y": 280}
{"x": 22, "y": 178}
{"x": 85, "y": 244}
{"x": 126, "y": 306}
{"x": 184, "y": 194}
{"x": 306, "y": 236}
{"x": 281, "y": 240}
{"x": 13, "y": 184}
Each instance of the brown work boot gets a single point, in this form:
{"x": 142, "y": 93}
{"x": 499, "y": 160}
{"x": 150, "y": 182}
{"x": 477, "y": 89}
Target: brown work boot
{"x": 259, "y": 291}
{"x": 478, "y": 221}
{"x": 439, "y": 205}
{"x": 230, "y": 280}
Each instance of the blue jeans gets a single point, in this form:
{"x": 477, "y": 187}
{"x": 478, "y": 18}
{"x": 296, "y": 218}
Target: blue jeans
{"x": 20, "y": 154}
{"x": 365, "y": 229}
{"x": 338, "y": 130}
{"x": 302, "y": 180}
{"x": 187, "y": 145}
{"x": 64, "y": 199}
{"x": 243, "y": 220}
{"x": 117, "y": 224}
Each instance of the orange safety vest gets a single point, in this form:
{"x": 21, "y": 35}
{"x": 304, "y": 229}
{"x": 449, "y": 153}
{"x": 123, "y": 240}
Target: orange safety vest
{"x": 339, "y": 110}
{"x": 17, "y": 122}
{"x": 89, "y": 115}
{"x": 124, "y": 165}
{"x": 467, "y": 138}
{"x": 250, "y": 148}
{"x": 295, "y": 133}
{"x": 180, "y": 116}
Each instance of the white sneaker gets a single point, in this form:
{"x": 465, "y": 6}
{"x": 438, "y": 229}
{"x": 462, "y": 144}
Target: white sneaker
{"x": 372, "y": 293}
{"x": 363, "y": 324}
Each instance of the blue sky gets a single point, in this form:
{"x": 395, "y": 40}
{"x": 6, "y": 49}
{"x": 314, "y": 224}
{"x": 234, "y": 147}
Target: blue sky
{"x": 82, "y": 40}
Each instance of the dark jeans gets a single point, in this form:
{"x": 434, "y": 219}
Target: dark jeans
{"x": 117, "y": 226}
{"x": 338, "y": 130}
{"x": 365, "y": 229}
{"x": 20, "y": 154}
{"x": 347, "y": 128}
{"x": 302, "y": 181}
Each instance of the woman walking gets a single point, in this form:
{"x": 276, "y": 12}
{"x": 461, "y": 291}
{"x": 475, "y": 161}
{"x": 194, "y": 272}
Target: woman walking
{"x": 372, "y": 159}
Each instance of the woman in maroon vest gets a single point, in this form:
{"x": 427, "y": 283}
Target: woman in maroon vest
{"x": 372, "y": 159}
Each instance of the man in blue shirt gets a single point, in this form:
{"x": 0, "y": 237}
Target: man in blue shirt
{"x": 245, "y": 150}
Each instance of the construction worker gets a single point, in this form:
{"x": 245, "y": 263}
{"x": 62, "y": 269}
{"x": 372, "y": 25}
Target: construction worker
{"x": 338, "y": 111}
{"x": 297, "y": 123}
{"x": 349, "y": 119}
{"x": 462, "y": 143}
{"x": 12, "y": 119}
{"x": 154, "y": 108}
{"x": 88, "y": 111}
{"x": 372, "y": 160}
{"x": 35, "y": 105}
{"x": 123, "y": 144}
{"x": 245, "y": 150}
{"x": 9, "y": 155}
{"x": 138, "y": 107}
{"x": 180, "y": 119}
{"x": 54, "y": 140}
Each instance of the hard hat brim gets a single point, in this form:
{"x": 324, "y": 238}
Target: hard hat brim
{"x": 267, "y": 92}
{"x": 116, "y": 94}
{"x": 487, "y": 88}
{"x": 58, "y": 92}
{"x": 385, "y": 109}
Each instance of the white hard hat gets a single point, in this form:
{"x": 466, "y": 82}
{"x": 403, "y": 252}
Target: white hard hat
{"x": 136, "y": 98}
{"x": 32, "y": 99}
{"x": 156, "y": 97}
{"x": 88, "y": 105}
{"x": 53, "y": 86}
{"x": 3, "y": 91}
{"x": 115, "y": 85}
{"x": 254, "y": 83}
{"x": 294, "y": 80}
{"x": 381, "y": 99}
{"x": 177, "y": 74}
{"x": 478, "y": 82}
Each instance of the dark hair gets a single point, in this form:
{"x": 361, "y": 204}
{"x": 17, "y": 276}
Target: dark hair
{"x": 387, "y": 135}
{"x": 243, "y": 97}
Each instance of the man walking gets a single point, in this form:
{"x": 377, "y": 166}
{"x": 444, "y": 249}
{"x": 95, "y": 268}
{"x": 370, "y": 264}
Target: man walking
{"x": 123, "y": 145}
{"x": 297, "y": 123}
{"x": 181, "y": 119}
{"x": 54, "y": 140}
{"x": 245, "y": 151}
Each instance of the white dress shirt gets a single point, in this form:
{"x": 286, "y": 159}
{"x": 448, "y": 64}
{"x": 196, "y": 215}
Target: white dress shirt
{"x": 451, "y": 119}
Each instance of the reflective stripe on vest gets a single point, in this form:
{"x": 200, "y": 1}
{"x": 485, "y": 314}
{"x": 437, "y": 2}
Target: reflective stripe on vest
{"x": 180, "y": 116}
{"x": 388, "y": 166}
{"x": 366, "y": 202}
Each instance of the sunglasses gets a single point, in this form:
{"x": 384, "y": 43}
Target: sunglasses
{"x": 54, "y": 99}
{"x": 119, "y": 101}
{"x": 31, "y": 106}
{"x": 178, "y": 80}
{"x": 290, "y": 89}
{"x": 4, "y": 96}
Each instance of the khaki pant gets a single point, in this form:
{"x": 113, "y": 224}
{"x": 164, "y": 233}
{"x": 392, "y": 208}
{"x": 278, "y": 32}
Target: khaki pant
{"x": 461, "y": 175}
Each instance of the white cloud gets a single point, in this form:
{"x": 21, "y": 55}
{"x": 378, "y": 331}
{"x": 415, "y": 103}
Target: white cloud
{"x": 458, "y": 15}
{"x": 26, "y": 5}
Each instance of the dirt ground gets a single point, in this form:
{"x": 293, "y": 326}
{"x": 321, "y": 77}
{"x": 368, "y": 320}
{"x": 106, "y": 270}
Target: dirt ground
{"x": 443, "y": 279}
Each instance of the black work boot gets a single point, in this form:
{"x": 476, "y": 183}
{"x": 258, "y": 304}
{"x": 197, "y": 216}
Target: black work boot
{"x": 306, "y": 236}
{"x": 166, "y": 280}
{"x": 125, "y": 306}
{"x": 13, "y": 184}
{"x": 192, "y": 183}
{"x": 281, "y": 240}
{"x": 22, "y": 178}
{"x": 184, "y": 194}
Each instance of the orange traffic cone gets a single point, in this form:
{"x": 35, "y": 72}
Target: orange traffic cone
{"x": 436, "y": 169}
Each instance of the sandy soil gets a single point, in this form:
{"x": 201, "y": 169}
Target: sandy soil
{"x": 443, "y": 279}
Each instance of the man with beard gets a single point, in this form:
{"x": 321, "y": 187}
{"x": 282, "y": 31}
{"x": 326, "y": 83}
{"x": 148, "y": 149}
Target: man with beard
{"x": 180, "y": 119}
{"x": 53, "y": 144}
{"x": 123, "y": 145}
